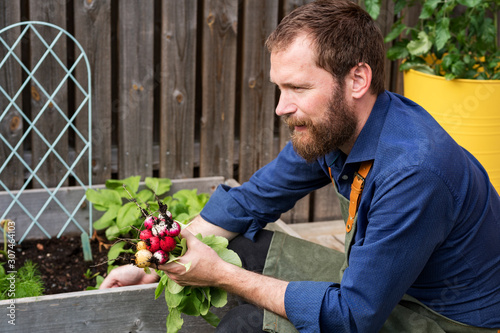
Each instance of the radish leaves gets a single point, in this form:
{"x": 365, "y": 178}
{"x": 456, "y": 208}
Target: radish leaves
{"x": 194, "y": 301}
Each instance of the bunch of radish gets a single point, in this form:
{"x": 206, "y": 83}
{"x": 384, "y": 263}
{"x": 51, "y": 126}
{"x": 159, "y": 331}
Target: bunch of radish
{"x": 158, "y": 238}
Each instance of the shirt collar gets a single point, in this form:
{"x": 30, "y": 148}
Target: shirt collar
{"x": 366, "y": 144}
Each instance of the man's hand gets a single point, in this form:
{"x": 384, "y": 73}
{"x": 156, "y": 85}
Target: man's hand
{"x": 205, "y": 264}
{"x": 128, "y": 275}
{"x": 208, "y": 269}
{"x": 131, "y": 275}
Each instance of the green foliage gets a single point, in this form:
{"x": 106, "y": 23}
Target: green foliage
{"x": 99, "y": 280}
{"x": 89, "y": 275}
{"x": 122, "y": 217}
{"x": 27, "y": 282}
{"x": 453, "y": 38}
{"x": 194, "y": 301}
{"x": 186, "y": 204}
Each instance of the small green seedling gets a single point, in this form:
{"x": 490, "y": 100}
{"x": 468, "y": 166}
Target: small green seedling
{"x": 88, "y": 274}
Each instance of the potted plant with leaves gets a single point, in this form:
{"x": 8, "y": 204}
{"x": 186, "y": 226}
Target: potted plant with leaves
{"x": 451, "y": 63}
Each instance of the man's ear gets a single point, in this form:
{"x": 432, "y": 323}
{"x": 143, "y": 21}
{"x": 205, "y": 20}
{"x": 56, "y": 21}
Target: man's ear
{"x": 360, "y": 79}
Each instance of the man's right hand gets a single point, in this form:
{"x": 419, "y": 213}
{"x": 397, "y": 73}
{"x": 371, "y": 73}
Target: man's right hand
{"x": 126, "y": 276}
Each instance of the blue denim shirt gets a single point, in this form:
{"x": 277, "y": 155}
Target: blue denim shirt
{"x": 428, "y": 224}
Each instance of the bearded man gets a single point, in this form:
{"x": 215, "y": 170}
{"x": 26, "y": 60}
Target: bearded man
{"x": 422, "y": 218}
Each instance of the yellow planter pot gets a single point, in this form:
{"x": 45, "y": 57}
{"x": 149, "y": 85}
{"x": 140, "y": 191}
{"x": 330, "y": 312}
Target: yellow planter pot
{"x": 469, "y": 110}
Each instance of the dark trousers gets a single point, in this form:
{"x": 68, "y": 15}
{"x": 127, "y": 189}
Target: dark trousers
{"x": 247, "y": 318}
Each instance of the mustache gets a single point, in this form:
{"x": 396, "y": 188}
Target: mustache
{"x": 292, "y": 121}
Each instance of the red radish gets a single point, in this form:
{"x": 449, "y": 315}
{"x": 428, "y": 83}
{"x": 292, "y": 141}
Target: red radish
{"x": 174, "y": 230}
{"x": 167, "y": 244}
{"x": 142, "y": 258}
{"x": 153, "y": 244}
{"x": 149, "y": 222}
{"x": 145, "y": 234}
{"x": 160, "y": 257}
{"x": 159, "y": 229}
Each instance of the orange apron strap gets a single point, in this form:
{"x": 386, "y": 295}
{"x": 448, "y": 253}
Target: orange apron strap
{"x": 356, "y": 189}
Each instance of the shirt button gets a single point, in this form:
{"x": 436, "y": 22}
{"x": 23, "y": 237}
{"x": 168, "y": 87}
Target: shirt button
{"x": 345, "y": 177}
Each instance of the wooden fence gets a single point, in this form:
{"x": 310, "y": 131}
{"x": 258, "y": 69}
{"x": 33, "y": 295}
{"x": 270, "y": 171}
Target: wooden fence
{"x": 180, "y": 89}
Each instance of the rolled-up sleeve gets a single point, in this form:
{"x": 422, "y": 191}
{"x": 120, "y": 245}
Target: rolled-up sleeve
{"x": 303, "y": 303}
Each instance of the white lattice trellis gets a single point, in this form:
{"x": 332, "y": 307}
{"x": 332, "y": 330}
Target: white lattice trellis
{"x": 53, "y": 195}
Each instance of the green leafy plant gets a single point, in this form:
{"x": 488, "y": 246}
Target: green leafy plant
{"x": 121, "y": 215}
{"x": 122, "y": 218}
{"x": 99, "y": 280}
{"x": 452, "y": 38}
{"x": 194, "y": 301}
{"x": 89, "y": 275}
{"x": 27, "y": 282}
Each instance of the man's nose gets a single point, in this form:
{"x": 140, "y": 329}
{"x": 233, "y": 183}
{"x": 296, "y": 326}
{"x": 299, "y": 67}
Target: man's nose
{"x": 285, "y": 106}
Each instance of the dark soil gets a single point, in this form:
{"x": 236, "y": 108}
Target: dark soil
{"x": 61, "y": 263}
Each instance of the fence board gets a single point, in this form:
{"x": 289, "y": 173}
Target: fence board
{"x": 11, "y": 125}
{"x": 220, "y": 20}
{"x": 411, "y": 17}
{"x": 49, "y": 75}
{"x": 300, "y": 212}
{"x": 385, "y": 22}
{"x": 257, "y": 92}
{"x": 93, "y": 32}
{"x": 135, "y": 87}
{"x": 326, "y": 204}
{"x": 178, "y": 91}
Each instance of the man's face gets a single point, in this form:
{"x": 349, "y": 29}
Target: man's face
{"x": 311, "y": 103}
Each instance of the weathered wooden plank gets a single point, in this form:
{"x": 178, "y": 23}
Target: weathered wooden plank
{"x": 328, "y": 233}
{"x": 49, "y": 75}
{"x": 290, "y": 5}
{"x": 257, "y": 92}
{"x": 326, "y": 205}
{"x": 11, "y": 124}
{"x": 410, "y": 19}
{"x": 124, "y": 309}
{"x": 300, "y": 212}
{"x": 385, "y": 22}
{"x": 54, "y": 218}
{"x": 178, "y": 89}
{"x": 93, "y": 32}
{"x": 220, "y": 20}
{"x": 136, "y": 83}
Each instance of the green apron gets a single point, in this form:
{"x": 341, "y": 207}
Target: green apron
{"x": 325, "y": 264}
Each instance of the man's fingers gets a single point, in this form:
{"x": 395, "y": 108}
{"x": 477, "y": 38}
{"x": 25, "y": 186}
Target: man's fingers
{"x": 186, "y": 233}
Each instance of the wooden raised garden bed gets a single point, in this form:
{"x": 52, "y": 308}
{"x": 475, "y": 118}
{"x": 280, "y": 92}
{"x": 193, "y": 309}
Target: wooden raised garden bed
{"x": 125, "y": 309}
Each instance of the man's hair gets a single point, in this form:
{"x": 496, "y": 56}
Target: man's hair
{"x": 343, "y": 35}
